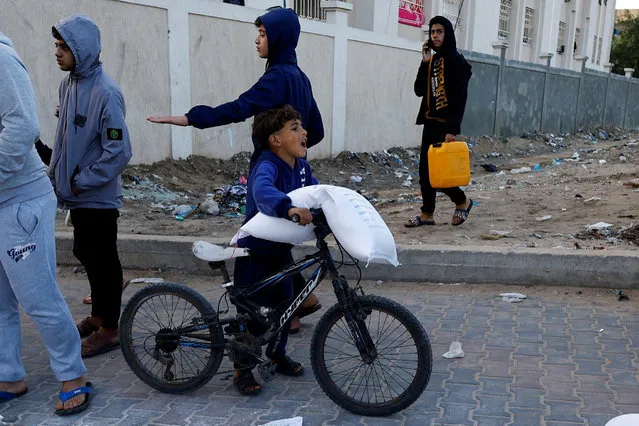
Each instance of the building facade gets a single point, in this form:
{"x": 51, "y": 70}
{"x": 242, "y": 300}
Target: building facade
{"x": 566, "y": 31}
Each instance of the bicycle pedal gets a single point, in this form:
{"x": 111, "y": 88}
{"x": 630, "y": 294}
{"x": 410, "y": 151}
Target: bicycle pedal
{"x": 267, "y": 370}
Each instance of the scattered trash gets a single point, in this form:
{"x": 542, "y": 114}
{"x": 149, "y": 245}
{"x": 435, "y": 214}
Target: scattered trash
{"x": 599, "y": 226}
{"x": 543, "y": 218}
{"x": 602, "y": 161}
{"x": 210, "y": 207}
{"x": 520, "y": 170}
{"x": 536, "y": 167}
{"x": 454, "y": 351}
{"x": 146, "y": 280}
{"x": 242, "y": 180}
{"x": 622, "y": 158}
{"x": 185, "y": 211}
{"x": 632, "y": 184}
{"x": 513, "y": 297}
{"x": 621, "y": 295}
{"x": 293, "y": 421}
{"x": 502, "y": 233}
{"x": 79, "y": 270}
{"x": 601, "y": 330}
{"x": 539, "y": 236}
{"x": 592, "y": 199}
{"x": 355, "y": 179}
{"x": 380, "y": 282}
{"x": 408, "y": 182}
{"x": 489, "y": 167}
{"x": 490, "y": 236}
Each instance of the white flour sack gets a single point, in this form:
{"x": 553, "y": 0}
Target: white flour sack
{"x": 353, "y": 220}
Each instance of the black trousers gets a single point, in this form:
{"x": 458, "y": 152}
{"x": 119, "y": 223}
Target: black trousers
{"x": 432, "y": 134}
{"x": 95, "y": 233}
{"x": 251, "y": 269}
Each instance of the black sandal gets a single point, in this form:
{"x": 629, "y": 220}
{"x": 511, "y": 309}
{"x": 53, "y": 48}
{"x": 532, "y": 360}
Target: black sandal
{"x": 245, "y": 383}
{"x": 286, "y": 366}
{"x": 418, "y": 221}
{"x": 462, "y": 214}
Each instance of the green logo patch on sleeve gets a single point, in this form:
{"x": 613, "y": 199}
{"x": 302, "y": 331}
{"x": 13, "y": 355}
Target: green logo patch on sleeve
{"x": 114, "y": 134}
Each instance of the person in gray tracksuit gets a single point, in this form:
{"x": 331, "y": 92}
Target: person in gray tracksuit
{"x": 27, "y": 247}
{"x": 91, "y": 150}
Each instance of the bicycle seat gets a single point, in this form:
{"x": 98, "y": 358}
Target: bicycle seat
{"x": 214, "y": 253}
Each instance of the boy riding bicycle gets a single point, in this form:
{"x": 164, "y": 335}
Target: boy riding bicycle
{"x": 280, "y": 168}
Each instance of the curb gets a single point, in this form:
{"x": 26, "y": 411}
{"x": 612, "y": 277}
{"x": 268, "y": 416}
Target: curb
{"x": 618, "y": 269}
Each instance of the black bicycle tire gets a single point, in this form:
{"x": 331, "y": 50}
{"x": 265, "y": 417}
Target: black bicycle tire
{"x": 201, "y": 304}
{"x": 422, "y": 373}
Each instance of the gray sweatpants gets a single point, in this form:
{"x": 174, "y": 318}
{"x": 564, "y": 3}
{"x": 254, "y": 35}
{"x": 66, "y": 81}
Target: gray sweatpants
{"x": 28, "y": 278}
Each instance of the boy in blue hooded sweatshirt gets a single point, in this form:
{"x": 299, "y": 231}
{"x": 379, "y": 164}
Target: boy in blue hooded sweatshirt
{"x": 91, "y": 150}
{"x": 280, "y": 168}
{"x": 283, "y": 83}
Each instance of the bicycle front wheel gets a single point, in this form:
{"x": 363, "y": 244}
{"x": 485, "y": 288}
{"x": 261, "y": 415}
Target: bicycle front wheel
{"x": 391, "y": 381}
{"x": 166, "y": 333}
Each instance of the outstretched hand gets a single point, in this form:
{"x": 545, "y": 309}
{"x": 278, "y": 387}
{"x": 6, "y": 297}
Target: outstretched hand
{"x": 177, "y": 120}
{"x": 450, "y": 138}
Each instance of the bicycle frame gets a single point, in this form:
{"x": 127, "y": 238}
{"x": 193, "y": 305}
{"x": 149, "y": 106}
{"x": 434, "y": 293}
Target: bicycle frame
{"x": 322, "y": 257}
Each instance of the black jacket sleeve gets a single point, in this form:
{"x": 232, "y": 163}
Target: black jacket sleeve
{"x": 43, "y": 151}
{"x": 421, "y": 81}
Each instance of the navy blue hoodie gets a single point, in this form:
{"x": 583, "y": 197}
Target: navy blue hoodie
{"x": 282, "y": 83}
{"x": 269, "y": 182}
{"x": 443, "y": 83}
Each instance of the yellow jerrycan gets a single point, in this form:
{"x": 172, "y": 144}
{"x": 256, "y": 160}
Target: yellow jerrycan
{"x": 448, "y": 164}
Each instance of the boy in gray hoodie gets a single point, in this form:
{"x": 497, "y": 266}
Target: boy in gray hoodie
{"x": 91, "y": 149}
{"x": 27, "y": 247}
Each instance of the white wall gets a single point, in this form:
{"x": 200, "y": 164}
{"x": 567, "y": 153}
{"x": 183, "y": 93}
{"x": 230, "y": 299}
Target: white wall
{"x": 135, "y": 55}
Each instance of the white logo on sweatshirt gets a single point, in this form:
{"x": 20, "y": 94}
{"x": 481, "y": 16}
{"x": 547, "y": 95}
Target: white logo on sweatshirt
{"x": 21, "y": 252}
{"x": 303, "y": 176}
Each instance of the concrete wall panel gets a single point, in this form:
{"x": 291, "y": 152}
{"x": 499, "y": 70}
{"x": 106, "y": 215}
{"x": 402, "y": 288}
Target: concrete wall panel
{"x": 134, "y": 53}
{"x": 381, "y": 105}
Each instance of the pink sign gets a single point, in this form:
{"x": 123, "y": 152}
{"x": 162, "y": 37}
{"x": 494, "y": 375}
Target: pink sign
{"x": 411, "y": 12}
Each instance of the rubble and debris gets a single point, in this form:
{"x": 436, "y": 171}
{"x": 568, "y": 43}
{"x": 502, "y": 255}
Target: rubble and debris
{"x": 543, "y": 218}
{"x": 513, "y": 297}
{"x": 454, "y": 351}
{"x": 621, "y": 295}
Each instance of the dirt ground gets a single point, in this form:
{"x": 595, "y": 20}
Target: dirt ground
{"x": 577, "y": 180}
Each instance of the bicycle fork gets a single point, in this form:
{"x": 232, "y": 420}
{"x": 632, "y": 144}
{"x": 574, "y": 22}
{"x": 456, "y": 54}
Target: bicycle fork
{"x": 355, "y": 319}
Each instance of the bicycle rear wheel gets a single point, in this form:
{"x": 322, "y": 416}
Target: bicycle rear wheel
{"x": 164, "y": 333}
{"x": 390, "y": 382}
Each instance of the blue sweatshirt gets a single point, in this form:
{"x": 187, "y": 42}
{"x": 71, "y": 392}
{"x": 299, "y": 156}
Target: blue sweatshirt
{"x": 282, "y": 83}
{"x": 269, "y": 182}
{"x": 22, "y": 174}
{"x": 92, "y": 145}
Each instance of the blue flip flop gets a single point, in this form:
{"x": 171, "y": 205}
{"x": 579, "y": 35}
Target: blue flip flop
{"x": 65, "y": 396}
{"x": 8, "y": 396}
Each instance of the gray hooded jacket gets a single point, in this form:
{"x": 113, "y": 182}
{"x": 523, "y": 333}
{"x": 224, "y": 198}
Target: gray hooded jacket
{"x": 92, "y": 145}
{"x": 22, "y": 174}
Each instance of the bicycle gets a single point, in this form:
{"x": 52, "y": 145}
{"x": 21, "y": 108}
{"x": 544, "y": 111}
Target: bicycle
{"x": 369, "y": 354}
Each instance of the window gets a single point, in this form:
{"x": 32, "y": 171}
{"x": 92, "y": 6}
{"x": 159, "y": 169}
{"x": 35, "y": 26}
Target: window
{"x": 577, "y": 47}
{"x": 309, "y": 9}
{"x": 451, "y": 12}
{"x": 504, "y": 19}
{"x": 561, "y": 39}
{"x": 529, "y": 23}
{"x": 411, "y": 12}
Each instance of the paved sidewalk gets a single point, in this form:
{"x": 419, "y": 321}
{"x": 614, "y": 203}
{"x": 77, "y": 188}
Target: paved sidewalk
{"x": 541, "y": 362}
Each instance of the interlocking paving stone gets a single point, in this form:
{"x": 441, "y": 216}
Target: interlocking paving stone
{"x": 563, "y": 411}
{"x": 539, "y": 353}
